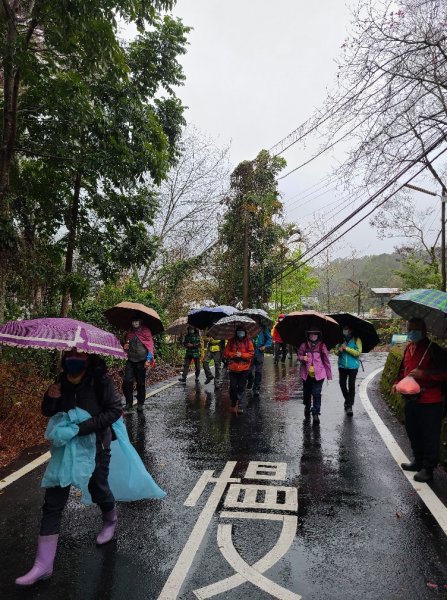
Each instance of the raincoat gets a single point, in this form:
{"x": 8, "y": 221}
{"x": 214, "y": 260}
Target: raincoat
{"x": 350, "y": 357}
{"x": 275, "y": 335}
{"x": 318, "y": 357}
{"x": 247, "y": 351}
{"x": 195, "y": 339}
{"x": 263, "y": 339}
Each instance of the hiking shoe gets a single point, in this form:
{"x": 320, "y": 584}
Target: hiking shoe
{"x": 140, "y": 408}
{"x": 315, "y": 419}
{"x": 411, "y": 466}
{"x": 197, "y": 379}
{"x": 182, "y": 379}
{"x": 424, "y": 475}
{"x": 208, "y": 380}
{"x": 256, "y": 393}
{"x": 349, "y": 411}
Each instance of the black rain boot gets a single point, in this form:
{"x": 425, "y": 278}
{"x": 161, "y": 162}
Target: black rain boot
{"x": 411, "y": 466}
{"x": 424, "y": 475}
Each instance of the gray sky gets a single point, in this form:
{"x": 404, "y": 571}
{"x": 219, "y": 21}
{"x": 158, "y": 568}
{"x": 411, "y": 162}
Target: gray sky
{"x": 255, "y": 70}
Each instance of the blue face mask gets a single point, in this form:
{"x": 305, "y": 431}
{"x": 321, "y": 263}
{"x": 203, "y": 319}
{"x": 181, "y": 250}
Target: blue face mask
{"x": 74, "y": 365}
{"x": 415, "y": 335}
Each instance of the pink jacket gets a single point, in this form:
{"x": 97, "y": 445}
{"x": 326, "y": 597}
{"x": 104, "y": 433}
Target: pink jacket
{"x": 319, "y": 357}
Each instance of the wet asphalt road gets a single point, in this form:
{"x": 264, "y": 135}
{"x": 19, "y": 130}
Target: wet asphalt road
{"x": 361, "y": 530}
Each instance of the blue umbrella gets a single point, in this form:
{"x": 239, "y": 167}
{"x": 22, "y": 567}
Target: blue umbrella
{"x": 205, "y": 317}
{"x": 430, "y": 305}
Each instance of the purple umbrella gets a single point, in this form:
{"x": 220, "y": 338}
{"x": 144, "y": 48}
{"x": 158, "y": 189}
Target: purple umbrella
{"x": 60, "y": 334}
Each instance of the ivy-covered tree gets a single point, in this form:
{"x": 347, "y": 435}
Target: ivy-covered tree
{"x": 251, "y": 233}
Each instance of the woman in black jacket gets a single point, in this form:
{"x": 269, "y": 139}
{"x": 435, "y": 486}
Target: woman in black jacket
{"x": 84, "y": 384}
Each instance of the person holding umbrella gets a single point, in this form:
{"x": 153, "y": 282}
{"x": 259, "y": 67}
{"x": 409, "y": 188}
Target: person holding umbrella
{"x": 139, "y": 346}
{"x": 240, "y": 352}
{"x": 424, "y": 364}
{"x": 213, "y": 351}
{"x": 280, "y": 347}
{"x": 192, "y": 345}
{"x": 315, "y": 368}
{"x": 348, "y": 353}
{"x": 82, "y": 376}
{"x": 262, "y": 342}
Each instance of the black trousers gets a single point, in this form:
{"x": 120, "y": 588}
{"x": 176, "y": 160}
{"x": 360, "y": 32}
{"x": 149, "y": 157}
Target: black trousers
{"x": 347, "y": 384}
{"x": 423, "y": 425}
{"x": 280, "y": 351}
{"x": 238, "y": 386}
{"x": 56, "y": 497}
{"x": 134, "y": 371}
{"x": 187, "y": 362}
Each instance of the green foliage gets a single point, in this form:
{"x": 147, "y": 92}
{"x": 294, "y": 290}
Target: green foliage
{"x": 298, "y": 284}
{"x": 253, "y": 209}
{"x": 416, "y": 273}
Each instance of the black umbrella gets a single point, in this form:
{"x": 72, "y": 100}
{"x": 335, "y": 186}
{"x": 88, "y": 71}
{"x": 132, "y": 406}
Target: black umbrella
{"x": 361, "y": 328}
{"x": 205, "y": 317}
{"x": 293, "y": 328}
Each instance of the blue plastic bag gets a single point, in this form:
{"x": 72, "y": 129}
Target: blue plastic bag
{"x": 128, "y": 478}
{"x": 72, "y": 459}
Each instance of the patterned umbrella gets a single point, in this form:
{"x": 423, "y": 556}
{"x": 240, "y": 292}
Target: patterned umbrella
{"x": 60, "y": 334}
{"x": 225, "y": 328}
{"x": 123, "y": 314}
{"x": 293, "y": 328}
{"x": 430, "y": 305}
{"x": 205, "y": 317}
{"x": 361, "y": 328}
{"x": 178, "y": 327}
{"x": 258, "y": 315}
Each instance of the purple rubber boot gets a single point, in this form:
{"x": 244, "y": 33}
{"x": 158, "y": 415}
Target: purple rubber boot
{"x": 43, "y": 564}
{"x": 109, "y": 523}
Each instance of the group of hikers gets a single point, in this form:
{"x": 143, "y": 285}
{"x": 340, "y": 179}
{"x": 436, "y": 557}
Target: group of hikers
{"x": 84, "y": 384}
{"x": 244, "y": 359}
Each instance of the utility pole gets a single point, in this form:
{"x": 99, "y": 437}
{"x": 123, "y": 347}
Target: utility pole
{"x": 246, "y": 275}
{"x": 443, "y": 201}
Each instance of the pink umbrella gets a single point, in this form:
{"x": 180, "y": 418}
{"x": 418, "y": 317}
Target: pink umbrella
{"x": 60, "y": 334}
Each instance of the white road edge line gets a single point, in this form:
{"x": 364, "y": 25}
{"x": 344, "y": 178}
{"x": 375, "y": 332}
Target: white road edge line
{"x": 46, "y": 457}
{"x": 427, "y": 495}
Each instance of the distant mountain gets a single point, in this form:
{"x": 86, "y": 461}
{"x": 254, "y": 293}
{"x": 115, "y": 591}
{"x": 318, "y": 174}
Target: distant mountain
{"x": 337, "y": 292}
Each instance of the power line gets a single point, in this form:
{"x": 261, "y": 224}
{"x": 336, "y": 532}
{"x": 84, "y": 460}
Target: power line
{"x": 420, "y": 157}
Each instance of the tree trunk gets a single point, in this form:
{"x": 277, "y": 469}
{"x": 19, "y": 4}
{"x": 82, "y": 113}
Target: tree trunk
{"x": 71, "y": 245}
{"x": 246, "y": 276}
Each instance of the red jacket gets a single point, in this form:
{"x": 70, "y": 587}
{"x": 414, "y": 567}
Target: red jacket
{"x": 247, "y": 351}
{"x": 434, "y": 365}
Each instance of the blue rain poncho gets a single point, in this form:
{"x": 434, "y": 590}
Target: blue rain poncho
{"x": 73, "y": 460}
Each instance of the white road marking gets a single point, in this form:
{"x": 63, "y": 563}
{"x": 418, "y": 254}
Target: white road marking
{"x": 24, "y": 470}
{"x": 225, "y": 542}
{"x": 266, "y": 471}
{"x": 184, "y": 562}
{"x": 283, "y": 544}
{"x": 427, "y": 495}
{"x": 46, "y": 457}
{"x": 270, "y": 501}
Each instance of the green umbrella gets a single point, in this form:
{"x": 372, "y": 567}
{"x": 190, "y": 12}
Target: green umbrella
{"x": 430, "y": 305}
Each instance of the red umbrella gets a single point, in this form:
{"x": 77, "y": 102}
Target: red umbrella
{"x": 293, "y": 328}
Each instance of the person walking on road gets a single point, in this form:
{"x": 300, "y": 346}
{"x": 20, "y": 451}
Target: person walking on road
{"x": 78, "y": 385}
{"x": 348, "y": 365}
{"x": 280, "y": 347}
{"x": 192, "y": 344}
{"x": 426, "y": 363}
{"x": 213, "y": 351}
{"x": 315, "y": 368}
{"x": 240, "y": 352}
{"x": 139, "y": 346}
{"x": 261, "y": 343}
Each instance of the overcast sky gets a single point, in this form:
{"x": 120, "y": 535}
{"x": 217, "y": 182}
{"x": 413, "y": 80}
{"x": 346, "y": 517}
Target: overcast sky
{"x": 255, "y": 70}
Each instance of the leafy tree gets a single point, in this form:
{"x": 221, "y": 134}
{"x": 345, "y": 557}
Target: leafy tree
{"x": 416, "y": 273}
{"x": 251, "y": 233}
{"x": 94, "y": 121}
{"x": 295, "y": 286}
